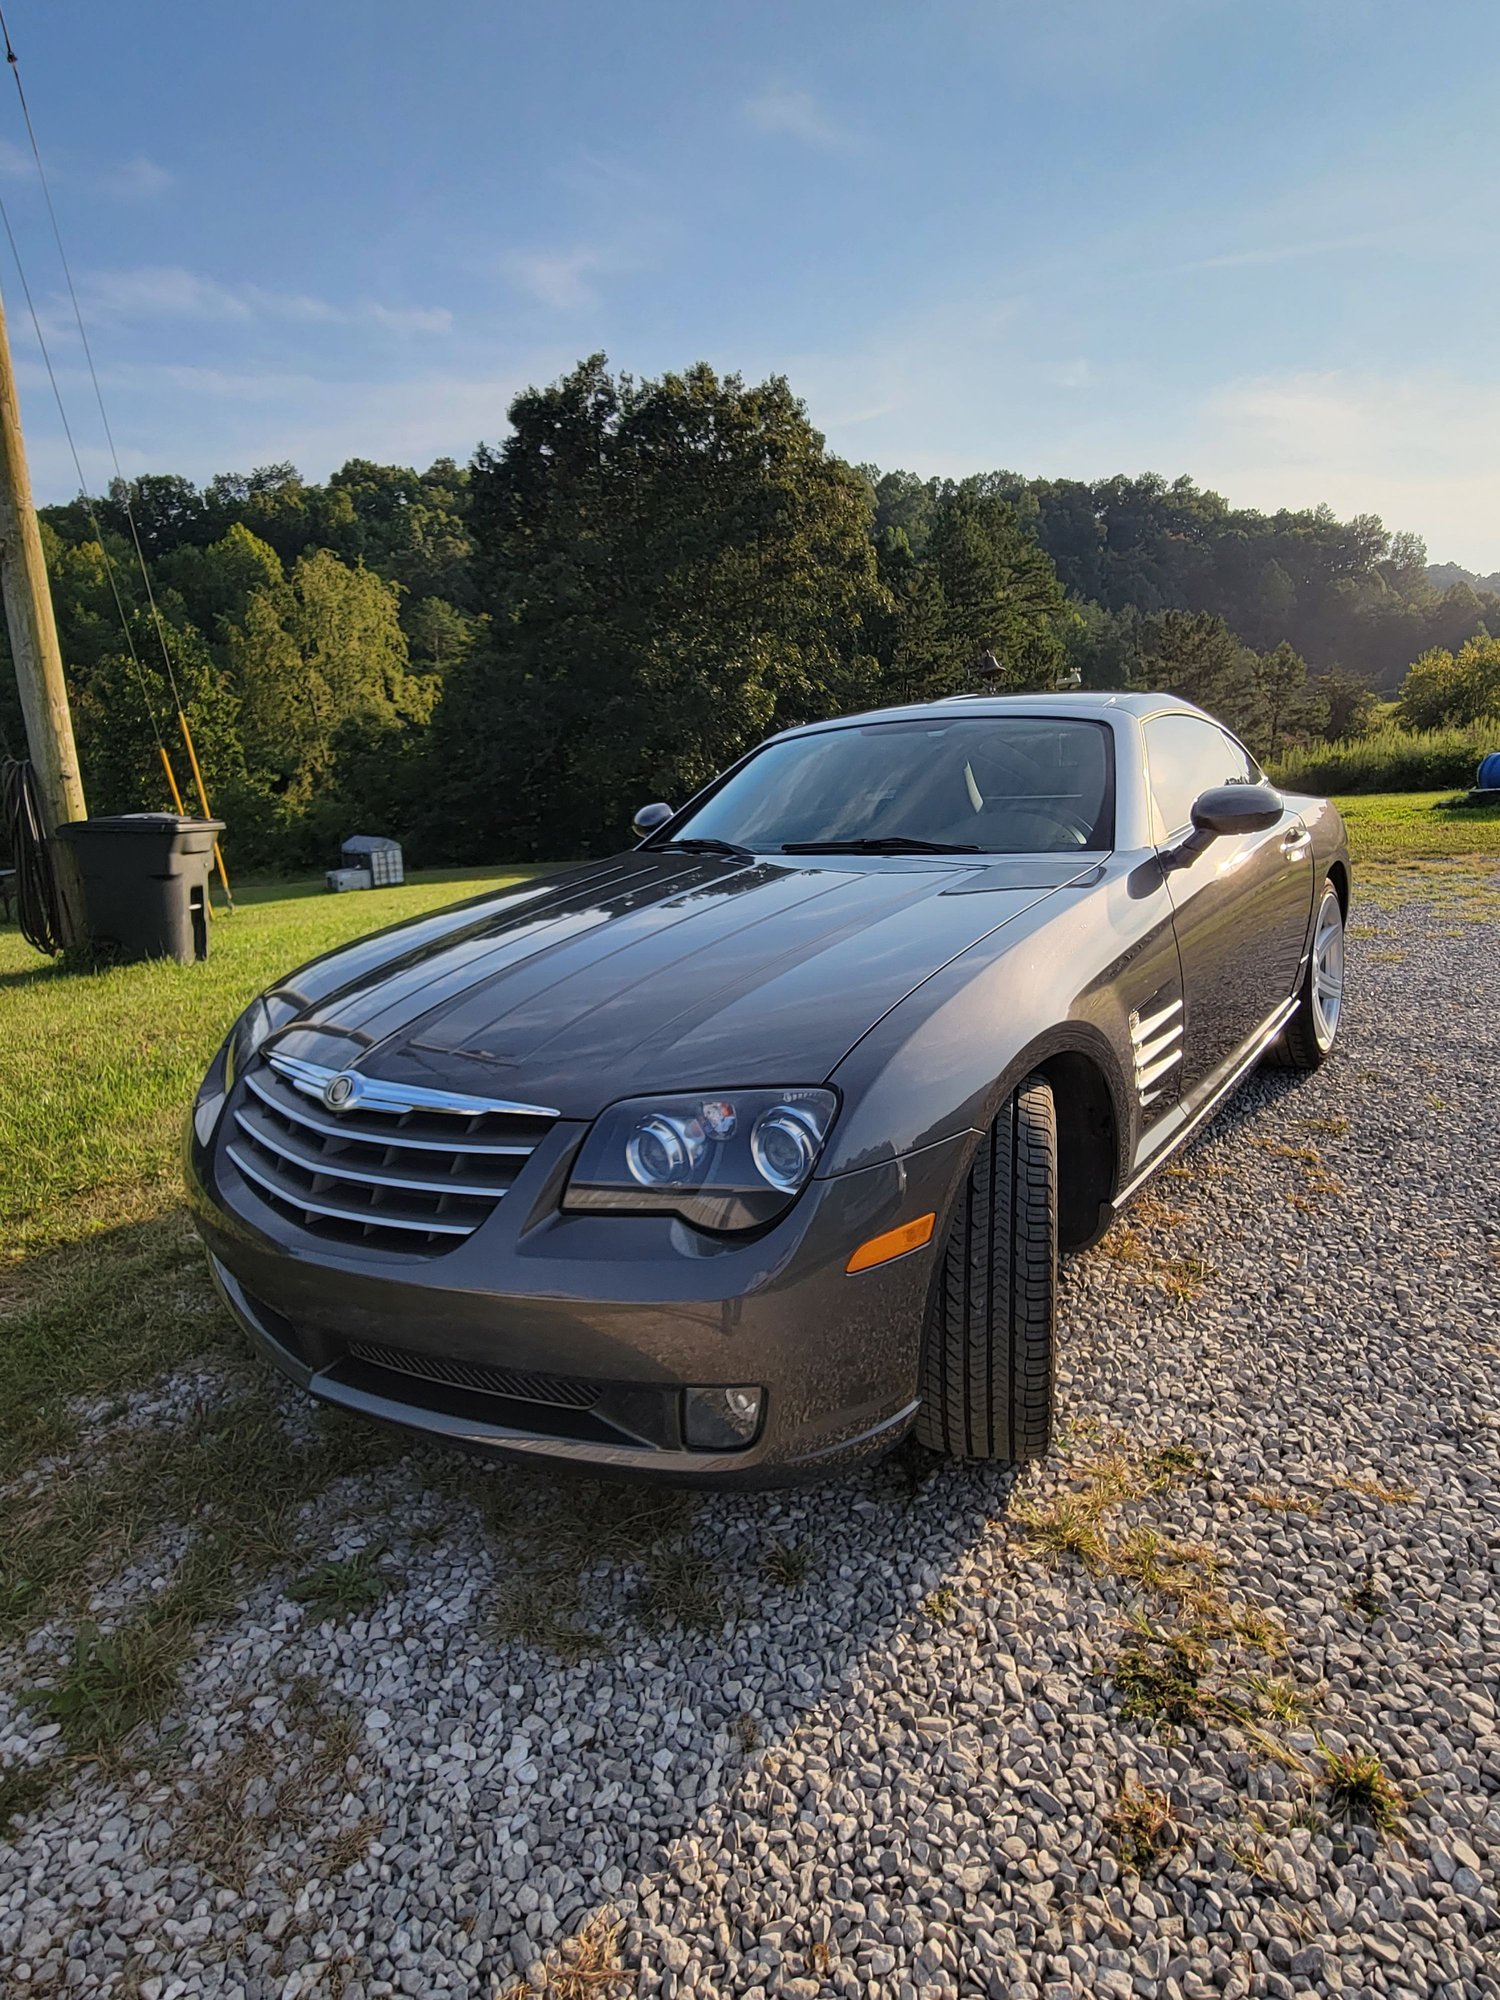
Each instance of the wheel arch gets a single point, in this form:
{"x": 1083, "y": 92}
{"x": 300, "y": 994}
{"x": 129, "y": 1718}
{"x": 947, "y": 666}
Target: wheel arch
{"x": 1095, "y": 1139}
{"x": 1338, "y": 875}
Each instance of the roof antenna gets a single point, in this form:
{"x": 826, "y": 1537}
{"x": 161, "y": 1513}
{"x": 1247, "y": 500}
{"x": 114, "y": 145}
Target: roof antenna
{"x": 987, "y": 666}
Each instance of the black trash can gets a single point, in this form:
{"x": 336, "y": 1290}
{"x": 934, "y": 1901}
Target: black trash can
{"x": 145, "y": 882}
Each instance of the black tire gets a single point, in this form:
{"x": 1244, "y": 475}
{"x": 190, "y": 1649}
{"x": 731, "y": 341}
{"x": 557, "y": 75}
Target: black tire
{"x": 987, "y": 1352}
{"x": 1308, "y": 1037}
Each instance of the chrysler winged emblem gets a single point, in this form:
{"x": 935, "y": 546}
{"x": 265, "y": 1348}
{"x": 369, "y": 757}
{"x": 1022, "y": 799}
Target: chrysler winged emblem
{"x": 340, "y": 1091}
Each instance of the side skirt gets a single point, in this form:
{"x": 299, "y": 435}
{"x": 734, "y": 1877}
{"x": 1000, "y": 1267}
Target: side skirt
{"x": 1240, "y": 1066}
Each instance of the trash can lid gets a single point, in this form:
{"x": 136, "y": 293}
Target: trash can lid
{"x": 153, "y": 822}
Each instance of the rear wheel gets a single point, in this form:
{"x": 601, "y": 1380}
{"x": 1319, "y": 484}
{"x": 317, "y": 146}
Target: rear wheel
{"x": 987, "y": 1355}
{"x": 1311, "y": 1032}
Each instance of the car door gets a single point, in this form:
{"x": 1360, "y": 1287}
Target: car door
{"x": 1241, "y": 905}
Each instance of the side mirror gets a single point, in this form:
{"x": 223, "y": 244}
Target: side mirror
{"x": 649, "y": 818}
{"x": 1236, "y": 809}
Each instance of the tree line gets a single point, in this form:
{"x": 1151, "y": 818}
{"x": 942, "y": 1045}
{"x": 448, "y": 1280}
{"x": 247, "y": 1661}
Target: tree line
{"x": 643, "y": 579}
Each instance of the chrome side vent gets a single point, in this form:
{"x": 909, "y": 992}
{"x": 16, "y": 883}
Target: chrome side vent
{"x": 1156, "y": 1041}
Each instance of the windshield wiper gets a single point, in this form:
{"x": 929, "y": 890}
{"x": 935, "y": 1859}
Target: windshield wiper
{"x": 891, "y": 843}
{"x": 707, "y": 846}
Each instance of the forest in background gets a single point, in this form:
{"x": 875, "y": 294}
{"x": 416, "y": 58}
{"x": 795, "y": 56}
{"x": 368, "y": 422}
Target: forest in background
{"x": 645, "y": 577}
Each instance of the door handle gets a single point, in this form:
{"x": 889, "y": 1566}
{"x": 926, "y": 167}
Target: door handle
{"x": 1296, "y": 843}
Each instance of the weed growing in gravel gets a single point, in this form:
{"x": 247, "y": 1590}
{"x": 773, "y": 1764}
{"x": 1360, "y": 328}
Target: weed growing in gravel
{"x": 23, "y": 1787}
{"x": 338, "y": 1589}
{"x": 1306, "y": 1156}
{"x": 573, "y": 1567}
{"x": 1279, "y": 1697}
{"x": 1156, "y": 1562}
{"x": 1358, "y": 1790}
{"x": 1168, "y": 1462}
{"x": 1367, "y": 1600}
{"x": 1375, "y": 1489}
{"x": 113, "y": 1681}
{"x": 939, "y": 1604}
{"x": 746, "y": 1732}
{"x": 268, "y": 1783}
{"x": 787, "y": 1566}
{"x": 1286, "y": 1501}
{"x": 1332, "y": 1128}
{"x": 585, "y": 1967}
{"x": 1066, "y": 1526}
{"x": 230, "y": 1470}
{"x": 681, "y": 1588}
{"x": 1143, "y": 1826}
{"x": 1160, "y": 1677}
{"x": 1183, "y": 1277}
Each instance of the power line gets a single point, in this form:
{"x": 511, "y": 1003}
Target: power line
{"x": 124, "y": 488}
{"x": 88, "y": 354}
{"x": 109, "y": 568}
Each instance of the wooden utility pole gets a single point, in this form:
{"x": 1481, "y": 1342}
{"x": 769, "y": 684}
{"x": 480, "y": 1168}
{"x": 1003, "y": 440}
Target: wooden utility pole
{"x": 33, "y": 645}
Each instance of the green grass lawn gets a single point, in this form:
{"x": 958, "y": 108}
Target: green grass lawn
{"x": 1418, "y": 826}
{"x": 97, "y": 1069}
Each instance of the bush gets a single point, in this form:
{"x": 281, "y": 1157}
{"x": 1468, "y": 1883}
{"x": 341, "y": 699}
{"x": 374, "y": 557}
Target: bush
{"x": 1389, "y": 760}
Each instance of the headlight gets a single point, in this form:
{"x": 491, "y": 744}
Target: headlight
{"x": 730, "y": 1160}
{"x": 260, "y": 1019}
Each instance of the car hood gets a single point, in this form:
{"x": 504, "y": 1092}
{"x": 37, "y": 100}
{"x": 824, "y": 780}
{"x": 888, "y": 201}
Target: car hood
{"x": 653, "y": 971}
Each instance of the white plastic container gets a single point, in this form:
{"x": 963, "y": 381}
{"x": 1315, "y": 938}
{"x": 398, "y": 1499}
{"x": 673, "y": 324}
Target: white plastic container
{"x": 349, "y": 878}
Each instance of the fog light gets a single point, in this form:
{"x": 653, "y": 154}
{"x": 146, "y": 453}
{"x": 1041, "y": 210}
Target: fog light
{"x": 720, "y": 1419}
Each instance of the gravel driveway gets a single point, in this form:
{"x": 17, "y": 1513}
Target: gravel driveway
{"x": 874, "y": 1739}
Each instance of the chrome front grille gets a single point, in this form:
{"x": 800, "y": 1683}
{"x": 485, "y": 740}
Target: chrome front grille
{"x": 363, "y": 1160}
{"x": 562, "y": 1391}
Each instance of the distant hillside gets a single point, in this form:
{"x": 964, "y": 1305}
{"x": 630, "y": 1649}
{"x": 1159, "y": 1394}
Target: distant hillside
{"x": 1444, "y": 576}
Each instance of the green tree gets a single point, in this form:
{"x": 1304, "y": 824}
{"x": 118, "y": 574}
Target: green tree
{"x": 217, "y": 582}
{"x": 1288, "y": 710}
{"x": 1350, "y": 704}
{"x": 996, "y": 592}
{"x": 1195, "y": 655}
{"x": 670, "y": 569}
{"x": 319, "y": 663}
{"x": 1441, "y": 689}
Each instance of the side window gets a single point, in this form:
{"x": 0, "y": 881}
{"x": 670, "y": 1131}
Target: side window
{"x": 1185, "y": 756}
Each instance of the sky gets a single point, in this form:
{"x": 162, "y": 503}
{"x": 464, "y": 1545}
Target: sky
{"x": 1253, "y": 243}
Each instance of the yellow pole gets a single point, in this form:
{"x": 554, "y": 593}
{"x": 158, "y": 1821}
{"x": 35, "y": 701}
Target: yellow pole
{"x": 38, "y": 663}
{"x": 187, "y": 737}
{"x": 166, "y": 764}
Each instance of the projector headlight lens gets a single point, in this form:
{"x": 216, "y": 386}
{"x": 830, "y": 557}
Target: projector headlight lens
{"x": 785, "y": 1146}
{"x": 725, "y": 1160}
{"x": 663, "y": 1151}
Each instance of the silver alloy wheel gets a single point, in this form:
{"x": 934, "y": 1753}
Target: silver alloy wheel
{"x": 1328, "y": 969}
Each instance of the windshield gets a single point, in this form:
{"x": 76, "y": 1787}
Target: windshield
{"x": 986, "y": 784}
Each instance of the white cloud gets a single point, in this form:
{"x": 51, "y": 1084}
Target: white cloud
{"x": 783, "y": 109}
{"x": 137, "y": 180}
{"x": 558, "y": 278}
{"x": 198, "y": 421}
{"x": 1404, "y": 446}
{"x": 169, "y": 292}
{"x": 1277, "y": 253}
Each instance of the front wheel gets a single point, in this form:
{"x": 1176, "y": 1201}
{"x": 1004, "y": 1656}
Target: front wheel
{"x": 987, "y": 1351}
{"x": 1309, "y": 1035}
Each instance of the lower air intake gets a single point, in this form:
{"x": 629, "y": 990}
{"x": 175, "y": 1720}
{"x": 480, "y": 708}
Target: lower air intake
{"x": 561, "y": 1391}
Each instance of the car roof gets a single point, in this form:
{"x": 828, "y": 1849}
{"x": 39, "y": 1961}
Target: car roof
{"x": 1087, "y": 704}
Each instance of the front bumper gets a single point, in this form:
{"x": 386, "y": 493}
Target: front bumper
{"x": 613, "y": 1316}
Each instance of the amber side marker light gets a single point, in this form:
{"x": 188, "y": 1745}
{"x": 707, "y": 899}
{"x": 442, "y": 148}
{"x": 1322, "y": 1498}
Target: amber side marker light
{"x": 894, "y": 1243}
